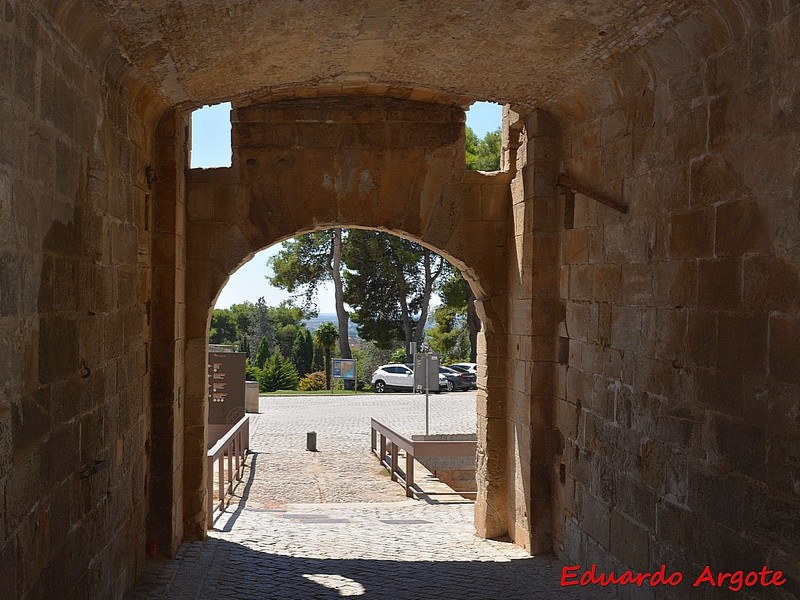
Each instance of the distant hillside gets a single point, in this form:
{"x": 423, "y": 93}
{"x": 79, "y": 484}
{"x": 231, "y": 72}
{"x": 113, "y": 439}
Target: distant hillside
{"x": 314, "y": 323}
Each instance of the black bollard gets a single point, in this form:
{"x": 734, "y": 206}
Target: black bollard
{"x": 311, "y": 441}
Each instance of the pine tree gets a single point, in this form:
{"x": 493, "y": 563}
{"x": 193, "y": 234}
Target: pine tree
{"x": 318, "y": 359}
{"x": 262, "y": 354}
{"x": 308, "y": 352}
{"x": 298, "y": 349}
{"x": 278, "y": 374}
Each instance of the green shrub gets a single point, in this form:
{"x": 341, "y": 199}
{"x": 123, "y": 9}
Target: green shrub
{"x": 251, "y": 372}
{"x": 398, "y": 356}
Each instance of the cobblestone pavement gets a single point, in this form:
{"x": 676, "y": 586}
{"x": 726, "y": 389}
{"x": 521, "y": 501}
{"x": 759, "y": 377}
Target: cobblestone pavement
{"x": 332, "y": 524}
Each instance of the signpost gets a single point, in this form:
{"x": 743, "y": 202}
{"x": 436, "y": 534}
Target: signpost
{"x": 226, "y": 374}
{"x": 426, "y": 376}
{"x": 226, "y": 397}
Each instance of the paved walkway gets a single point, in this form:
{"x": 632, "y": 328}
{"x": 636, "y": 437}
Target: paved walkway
{"x": 331, "y": 524}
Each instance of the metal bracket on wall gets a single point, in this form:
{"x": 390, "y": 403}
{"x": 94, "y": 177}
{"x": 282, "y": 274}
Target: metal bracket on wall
{"x": 565, "y": 181}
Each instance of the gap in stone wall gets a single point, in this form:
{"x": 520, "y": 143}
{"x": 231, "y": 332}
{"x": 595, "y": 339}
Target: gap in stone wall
{"x": 211, "y": 136}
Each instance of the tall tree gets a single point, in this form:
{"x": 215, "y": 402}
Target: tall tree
{"x": 301, "y": 359}
{"x": 457, "y": 295}
{"x": 483, "y": 154}
{"x": 308, "y": 352}
{"x": 305, "y": 262}
{"x": 242, "y": 313}
{"x": 260, "y": 325}
{"x": 287, "y": 322}
{"x": 318, "y": 359}
{"x": 389, "y": 283}
{"x": 449, "y": 336}
{"x": 244, "y": 346}
{"x": 263, "y": 352}
{"x": 325, "y": 337}
{"x": 223, "y": 327}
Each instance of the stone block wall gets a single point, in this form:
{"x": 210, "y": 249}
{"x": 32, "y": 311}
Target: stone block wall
{"x": 679, "y": 398}
{"x": 534, "y": 313}
{"x": 167, "y": 384}
{"x": 382, "y": 163}
{"x": 456, "y": 471}
{"x": 74, "y": 288}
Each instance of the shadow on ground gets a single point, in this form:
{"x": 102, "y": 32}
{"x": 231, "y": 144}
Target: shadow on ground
{"x": 218, "y": 568}
{"x": 224, "y": 569}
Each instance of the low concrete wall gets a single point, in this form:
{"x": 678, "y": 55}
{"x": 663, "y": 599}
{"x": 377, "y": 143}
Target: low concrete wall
{"x": 456, "y": 471}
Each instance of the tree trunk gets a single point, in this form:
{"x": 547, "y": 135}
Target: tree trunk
{"x": 403, "y": 286}
{"x": 430, "y": 279}
{"x": 328, "y": 370}
{"x": 474, "y": 324}
{"x": 341, "y": 314}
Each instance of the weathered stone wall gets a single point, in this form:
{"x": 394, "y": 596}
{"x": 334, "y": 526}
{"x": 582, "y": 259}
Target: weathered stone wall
{"x": 534, "y": 313}
{"x": 679, "y": 402}
{"x": 74, "y": 287}
{"x": 165, "y": 517}
{"x": 395, "y": 165}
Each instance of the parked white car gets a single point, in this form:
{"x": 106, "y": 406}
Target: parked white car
{"x": 393, "y": 376}
{"x": 399, "y": 377}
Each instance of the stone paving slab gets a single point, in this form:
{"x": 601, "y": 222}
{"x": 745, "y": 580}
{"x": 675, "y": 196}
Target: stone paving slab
{"x": 332, "y": 524}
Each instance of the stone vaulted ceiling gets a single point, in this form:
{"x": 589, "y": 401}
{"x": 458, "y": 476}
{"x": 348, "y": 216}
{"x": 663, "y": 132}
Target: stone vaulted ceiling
{"x": 533, "y": 52}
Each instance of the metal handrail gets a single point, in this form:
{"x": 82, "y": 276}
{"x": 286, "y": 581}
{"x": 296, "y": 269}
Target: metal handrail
{"x": 233, "y": 445}
{"x": 413, "y": 449}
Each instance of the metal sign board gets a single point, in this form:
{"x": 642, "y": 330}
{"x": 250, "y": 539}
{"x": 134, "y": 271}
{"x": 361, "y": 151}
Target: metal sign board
{"x": 226, "y": 375}
{"x": 344, "y": 368}
{"x": 426, "y": 362}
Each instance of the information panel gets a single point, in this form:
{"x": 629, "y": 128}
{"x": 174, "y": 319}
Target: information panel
{"x": 344, "y": 368}
{"x": 226, "y": 375}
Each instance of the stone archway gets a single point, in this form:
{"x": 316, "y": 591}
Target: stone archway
{"x": 375, "y": 163}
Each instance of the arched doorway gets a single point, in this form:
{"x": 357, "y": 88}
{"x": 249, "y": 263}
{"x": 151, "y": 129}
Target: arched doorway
{"x": 377, "y": 163}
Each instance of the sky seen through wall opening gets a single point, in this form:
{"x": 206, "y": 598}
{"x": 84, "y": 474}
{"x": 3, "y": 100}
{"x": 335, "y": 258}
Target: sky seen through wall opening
{"x": 211, "y": 148}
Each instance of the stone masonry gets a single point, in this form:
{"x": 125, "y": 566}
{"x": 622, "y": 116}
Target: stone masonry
{"x": 639, "y": 395}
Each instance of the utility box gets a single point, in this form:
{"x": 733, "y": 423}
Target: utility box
{"x": 426, "y": 362}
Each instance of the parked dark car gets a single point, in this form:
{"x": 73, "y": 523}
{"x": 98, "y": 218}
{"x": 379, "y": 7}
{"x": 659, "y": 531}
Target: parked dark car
{"x": 467, "y": 374}
{"x": 456, "y": 380}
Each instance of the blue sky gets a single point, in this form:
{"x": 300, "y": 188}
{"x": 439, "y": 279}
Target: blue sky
{"x": 211, "y": 147}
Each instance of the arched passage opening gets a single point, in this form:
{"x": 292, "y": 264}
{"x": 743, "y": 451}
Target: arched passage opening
{"x": 196, "y": 392}
{"x": 376, "y": 163}
{"x": 343, "y": 470}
